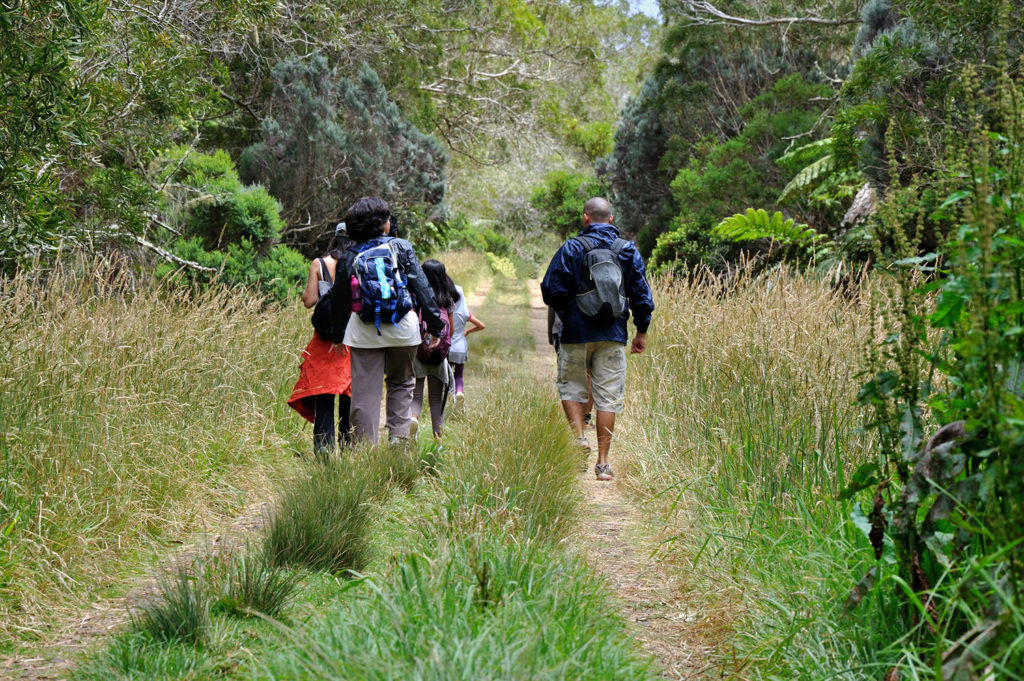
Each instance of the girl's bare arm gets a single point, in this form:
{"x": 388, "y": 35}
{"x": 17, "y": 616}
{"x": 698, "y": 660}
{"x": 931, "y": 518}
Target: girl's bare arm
{"x": 312, "y": 292}
{"x": 477, "y": 325}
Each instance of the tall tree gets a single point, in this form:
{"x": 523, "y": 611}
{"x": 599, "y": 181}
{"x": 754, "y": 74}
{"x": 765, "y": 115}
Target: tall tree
{"x": 42, "y": 114}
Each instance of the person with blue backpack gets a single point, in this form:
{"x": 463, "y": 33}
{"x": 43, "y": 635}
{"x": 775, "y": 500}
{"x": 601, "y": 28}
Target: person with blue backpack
{"x": 593, "y": 282}
{"x": 386, "y": 295}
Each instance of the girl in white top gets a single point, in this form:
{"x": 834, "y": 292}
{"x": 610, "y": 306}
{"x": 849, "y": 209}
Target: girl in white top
{"x": 459, "y": 353}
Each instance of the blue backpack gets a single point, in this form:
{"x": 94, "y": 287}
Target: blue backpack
{"x": 384, "y": 297}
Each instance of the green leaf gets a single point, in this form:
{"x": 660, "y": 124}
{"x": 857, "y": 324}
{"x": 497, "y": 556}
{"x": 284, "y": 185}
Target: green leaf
{"x": 866, "y": 475}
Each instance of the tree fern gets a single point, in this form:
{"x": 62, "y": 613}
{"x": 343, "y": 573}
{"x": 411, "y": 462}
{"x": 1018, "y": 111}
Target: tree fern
{"x": 757, "y": 223}
{"x": 809, "y": 178}
{"x": 805, "y": 151}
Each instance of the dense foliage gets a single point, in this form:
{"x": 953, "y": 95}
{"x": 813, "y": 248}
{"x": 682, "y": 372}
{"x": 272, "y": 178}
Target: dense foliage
{"x": 707, "y": 134}
{"x": 96, "y": 93}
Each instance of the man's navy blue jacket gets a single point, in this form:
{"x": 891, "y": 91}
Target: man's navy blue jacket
{"x": 566, "y": 277}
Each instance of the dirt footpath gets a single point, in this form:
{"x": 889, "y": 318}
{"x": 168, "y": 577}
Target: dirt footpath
{"x": 614, "y": 541}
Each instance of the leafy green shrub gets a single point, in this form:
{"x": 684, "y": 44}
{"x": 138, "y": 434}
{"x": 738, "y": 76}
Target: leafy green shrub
{"x": 561, "y": 196}
{"x": 721, "y": 177}
{"x": 322, "y": 520}
{"x": 44, "y": 114}
{"x": 226, "y": 227}
{"x": 180, "y": 611}
{"x": 683, "y": 248}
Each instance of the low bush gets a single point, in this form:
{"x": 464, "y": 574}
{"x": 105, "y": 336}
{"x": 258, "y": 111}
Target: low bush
{"x": 232, "y": 229}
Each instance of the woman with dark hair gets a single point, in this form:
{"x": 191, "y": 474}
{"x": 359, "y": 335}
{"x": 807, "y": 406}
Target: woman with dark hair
{"x": 382, "y": 350}
{"x": 325, "y": 370}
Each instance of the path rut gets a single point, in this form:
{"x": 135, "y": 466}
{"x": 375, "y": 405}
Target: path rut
{"x": 614, "y": 541}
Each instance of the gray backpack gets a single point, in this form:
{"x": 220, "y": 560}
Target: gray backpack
{"x": 604, "y": 301}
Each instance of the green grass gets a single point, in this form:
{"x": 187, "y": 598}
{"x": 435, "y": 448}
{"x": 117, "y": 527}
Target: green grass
{"x": 468, "y": 269}
{"x": 747, "y": 435}
{"x": 180, "y": 610}
{"x": 322, "y": 521}
{"x": 490, "y": 607}
{"x": 252, "y": 586}
{"x": 465, "y": 573}
{"x": 128, "y": 418}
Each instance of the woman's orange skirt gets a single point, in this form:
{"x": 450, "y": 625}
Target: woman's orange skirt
{"x": 325, "y": 370}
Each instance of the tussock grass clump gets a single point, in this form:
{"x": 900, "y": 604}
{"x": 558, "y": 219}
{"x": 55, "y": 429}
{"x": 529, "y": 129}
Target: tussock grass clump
{"x": 487, "y": 607}
{"x": 128, "y": 414}
{"x": 524, "y": 463}
{"x": 180, "y": 611}
{"x": 253, "y": 585}
{"x": 137, "y": 656}
{"x": 322, "y": 520}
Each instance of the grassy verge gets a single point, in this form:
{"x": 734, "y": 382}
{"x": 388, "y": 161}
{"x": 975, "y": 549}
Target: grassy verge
{"x": 747, "y": 436}
{"x": 468, "y": 269}
{"x": 463, "y": 568}
{"x": 126, "y": 420}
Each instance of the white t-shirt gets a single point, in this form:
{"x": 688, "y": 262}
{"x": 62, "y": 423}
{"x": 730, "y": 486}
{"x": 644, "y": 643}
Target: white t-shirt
{"x": 460, "y": 315}
{"x": 363, "y": 335}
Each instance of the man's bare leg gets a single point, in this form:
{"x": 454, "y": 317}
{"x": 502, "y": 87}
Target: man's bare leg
{"x": 605, "y": 426}
{"x": 574, "y": 412}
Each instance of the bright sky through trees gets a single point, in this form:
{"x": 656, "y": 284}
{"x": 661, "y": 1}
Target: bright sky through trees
{"x": 648, "y": 7}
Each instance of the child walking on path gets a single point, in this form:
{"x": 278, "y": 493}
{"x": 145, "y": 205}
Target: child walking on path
{"x": 325, "y": 371}
{"x": 439, "y": 378}
{"x": 459, "y": 353}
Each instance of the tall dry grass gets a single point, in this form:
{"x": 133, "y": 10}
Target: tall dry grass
{"x": 127, "y": 417}
{"x": 741, "y": 432}
{"x": 751, "y": 383}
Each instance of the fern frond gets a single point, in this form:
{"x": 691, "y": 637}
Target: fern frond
{"x": 758, "y": 224}
{"x": 808, "y": 178}
{"x": 808, "y": 149}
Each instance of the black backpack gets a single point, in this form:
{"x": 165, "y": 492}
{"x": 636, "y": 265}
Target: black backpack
{"x": 604, "y": 299}
{"x": 324, "y": 322}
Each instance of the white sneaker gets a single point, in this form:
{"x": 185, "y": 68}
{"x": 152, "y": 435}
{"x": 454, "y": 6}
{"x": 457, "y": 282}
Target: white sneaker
{"x": 459, "y": 399}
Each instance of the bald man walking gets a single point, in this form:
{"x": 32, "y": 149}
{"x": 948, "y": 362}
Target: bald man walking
{"x": 593, "y": 282}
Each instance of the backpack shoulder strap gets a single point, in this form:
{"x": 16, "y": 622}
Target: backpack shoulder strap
{"x": 324, "y": 272}
{"x": 618, "y": 245}
{"x": 587, "y": 243}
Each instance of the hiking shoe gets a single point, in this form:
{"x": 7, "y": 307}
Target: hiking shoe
{"x": 459, "y": 399}
{"x": 603, "y": 471}
{"x": 413, "y": 427}
{"x": 588, "y": 419}
{"x": 583, "y": 444}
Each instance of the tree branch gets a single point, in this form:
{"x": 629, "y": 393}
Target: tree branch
{"x": 167, "y": 255}
{"x": 704, "y": 13}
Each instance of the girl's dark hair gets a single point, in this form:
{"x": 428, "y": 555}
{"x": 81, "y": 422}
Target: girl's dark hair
{"x": 366, "y": 217}
{"x": 444, "y": 288}
{"x": 339, "y": 244}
